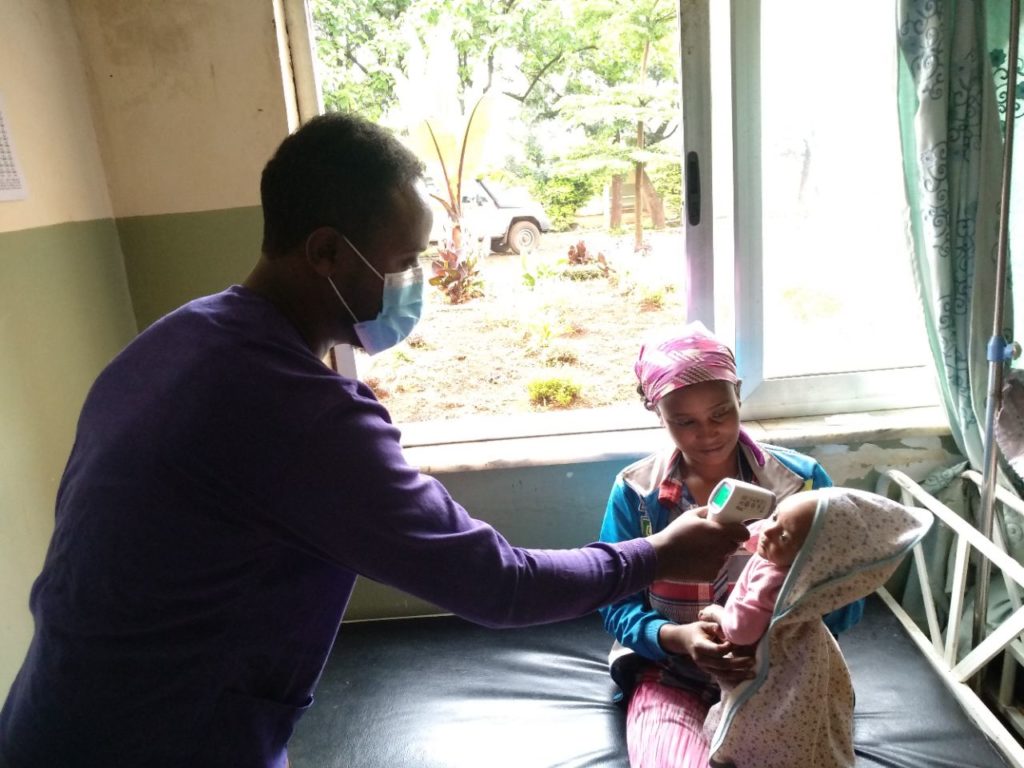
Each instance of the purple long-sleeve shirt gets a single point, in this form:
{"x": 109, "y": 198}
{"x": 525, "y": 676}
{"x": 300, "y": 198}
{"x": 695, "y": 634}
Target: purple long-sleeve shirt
{"x": 224, "y": 490}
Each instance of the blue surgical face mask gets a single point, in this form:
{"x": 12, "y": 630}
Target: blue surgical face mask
{"x": 401, "y": 307}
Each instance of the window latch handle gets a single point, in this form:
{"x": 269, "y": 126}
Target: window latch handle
{"x": 692, "y": 189}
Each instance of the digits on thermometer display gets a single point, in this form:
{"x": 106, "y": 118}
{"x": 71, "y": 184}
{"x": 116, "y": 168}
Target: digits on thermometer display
{"x": 734, "y": 501}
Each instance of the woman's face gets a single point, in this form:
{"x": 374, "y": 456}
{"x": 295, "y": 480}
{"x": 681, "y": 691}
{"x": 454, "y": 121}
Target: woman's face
{"x": 704, "y": 422}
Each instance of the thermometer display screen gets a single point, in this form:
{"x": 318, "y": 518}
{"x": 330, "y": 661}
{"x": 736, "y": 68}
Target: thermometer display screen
{"x": 722, "y": 496}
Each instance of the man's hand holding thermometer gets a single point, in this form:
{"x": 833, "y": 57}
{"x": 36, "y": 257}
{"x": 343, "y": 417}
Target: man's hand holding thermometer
{"x": 734, "y": 501}
{"x": 695, "y": 547}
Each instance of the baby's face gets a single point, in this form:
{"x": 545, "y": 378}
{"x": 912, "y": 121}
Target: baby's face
{"x": 786, "y": 529}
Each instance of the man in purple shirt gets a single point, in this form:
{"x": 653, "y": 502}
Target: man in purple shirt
{"x": 226, "y": 487}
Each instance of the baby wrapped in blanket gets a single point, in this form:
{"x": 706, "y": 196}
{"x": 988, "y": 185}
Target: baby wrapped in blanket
{"x": 819, "y": 550}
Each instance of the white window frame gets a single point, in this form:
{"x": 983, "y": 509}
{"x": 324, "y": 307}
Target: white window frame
{"x": 779, "y": 397}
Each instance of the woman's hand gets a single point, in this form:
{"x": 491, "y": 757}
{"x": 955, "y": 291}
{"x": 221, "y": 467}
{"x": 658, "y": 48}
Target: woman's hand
{"x": 700, "y": 641}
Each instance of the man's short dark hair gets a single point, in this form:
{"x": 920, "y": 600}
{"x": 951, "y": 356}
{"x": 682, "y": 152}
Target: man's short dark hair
{"x": 337, "y": 170}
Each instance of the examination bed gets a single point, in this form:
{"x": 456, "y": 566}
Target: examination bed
{"x": 443, "y": 693}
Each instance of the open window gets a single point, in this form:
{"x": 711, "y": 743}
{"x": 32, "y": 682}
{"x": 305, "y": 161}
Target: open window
{"x": 790, "y": 238}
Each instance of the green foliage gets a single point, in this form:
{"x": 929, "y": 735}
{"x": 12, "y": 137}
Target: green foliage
{"x": 359, "y": 43}
{"x": 458, "y": 278}
{"x": 549, "y": 322}
{"x": 541, "y": 332}
{"x": 582, "y": 272}
{"x": 585, "y": 70}
{"x": 581, "y": 76}
{"x": 562, "y": 195}
{"x": 536, "y": 269}
{"x": 555, "y": 392}
{"x": 652, "y": 298}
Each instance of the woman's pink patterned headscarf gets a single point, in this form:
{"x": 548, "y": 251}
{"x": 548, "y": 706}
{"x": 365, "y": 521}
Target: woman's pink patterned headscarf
{"x": 692, "y": 356}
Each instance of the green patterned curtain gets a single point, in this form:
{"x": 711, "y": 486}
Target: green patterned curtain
{"x": 950, "y": 124}
{"x": 953, "y": 100}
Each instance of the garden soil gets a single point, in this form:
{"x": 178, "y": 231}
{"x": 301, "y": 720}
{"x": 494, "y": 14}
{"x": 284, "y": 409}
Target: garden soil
{"x": 534, "y": 325}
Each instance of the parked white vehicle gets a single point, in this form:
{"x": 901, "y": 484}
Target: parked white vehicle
{"x": 509, "y": 218}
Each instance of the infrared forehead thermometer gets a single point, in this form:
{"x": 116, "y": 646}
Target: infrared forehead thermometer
{"x": 734, "y": 501}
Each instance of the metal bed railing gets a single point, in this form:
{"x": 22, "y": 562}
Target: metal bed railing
{"x": 941, "y": 645}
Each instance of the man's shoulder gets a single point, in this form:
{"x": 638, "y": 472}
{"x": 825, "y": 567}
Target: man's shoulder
{"x": 199, "y": 321}
{"x": 228, "y": 351}
{"x": 235, "y": 301}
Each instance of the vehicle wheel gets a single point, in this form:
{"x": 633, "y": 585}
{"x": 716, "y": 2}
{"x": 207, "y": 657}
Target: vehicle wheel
{"x": 498, "y": 245}
{"x": 523, "y": 235}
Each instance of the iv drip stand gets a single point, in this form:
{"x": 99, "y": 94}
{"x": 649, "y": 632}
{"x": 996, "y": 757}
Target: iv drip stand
{"x": 999, "y": 352}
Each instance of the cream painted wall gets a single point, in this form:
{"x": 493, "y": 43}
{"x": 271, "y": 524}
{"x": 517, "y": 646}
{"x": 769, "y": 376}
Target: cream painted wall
{"x": 189, "y": 100}
{"x": 47, "y": 111}
{"x": 64, "y": 304}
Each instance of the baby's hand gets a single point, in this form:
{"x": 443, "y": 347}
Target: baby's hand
{"x": 709, "y": 652}
{"x": 712, "y": 613}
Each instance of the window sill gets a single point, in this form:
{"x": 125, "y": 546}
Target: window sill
{"x": 626, "y": 444}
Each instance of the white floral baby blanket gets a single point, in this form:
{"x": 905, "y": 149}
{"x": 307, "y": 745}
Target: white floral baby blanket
{"x": 797, "y": 712}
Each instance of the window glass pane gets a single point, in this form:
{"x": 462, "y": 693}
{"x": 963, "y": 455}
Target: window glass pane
{"x": 838, "y": 289}
{"x": 577, "y": 93}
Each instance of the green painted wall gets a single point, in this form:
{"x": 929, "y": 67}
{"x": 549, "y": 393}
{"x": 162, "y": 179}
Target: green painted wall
{"x": 64, "y": 313}
{"x": 174, "y": 258}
